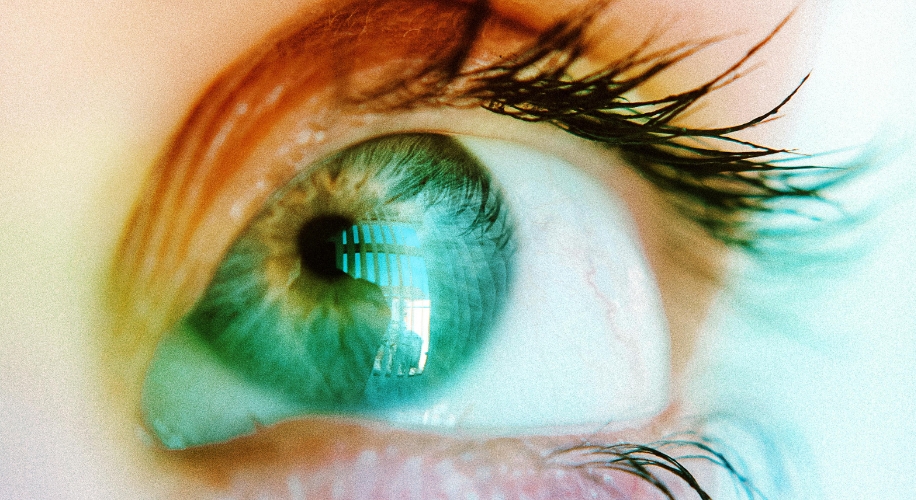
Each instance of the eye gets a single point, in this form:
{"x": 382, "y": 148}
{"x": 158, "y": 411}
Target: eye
{"x": 427, "y": 281}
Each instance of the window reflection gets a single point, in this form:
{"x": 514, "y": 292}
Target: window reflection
{"x": 387, "y": 253}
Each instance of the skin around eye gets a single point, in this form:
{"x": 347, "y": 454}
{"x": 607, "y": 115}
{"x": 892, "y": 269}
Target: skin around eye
{"x": 127, "y": 425}
{"x": 252, "y": 135}
{"x": 92, "y": 92}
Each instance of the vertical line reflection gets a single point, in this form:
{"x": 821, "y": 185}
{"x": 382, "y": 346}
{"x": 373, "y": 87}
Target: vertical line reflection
{"x": 388, "y": 253}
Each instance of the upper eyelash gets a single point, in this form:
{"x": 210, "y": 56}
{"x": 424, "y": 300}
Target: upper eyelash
{"x": 713, "y": 178}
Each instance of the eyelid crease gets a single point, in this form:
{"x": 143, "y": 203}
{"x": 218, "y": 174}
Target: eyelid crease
{"x": 222, "y": 164}
{"x": 159, "y": 265}
{"x": 712, "y": 177}
{"x": 235, "y": 110}
{"x": 313, "y": 71}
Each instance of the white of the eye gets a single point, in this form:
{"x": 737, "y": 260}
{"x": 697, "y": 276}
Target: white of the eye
{"x": 583, "y": 340}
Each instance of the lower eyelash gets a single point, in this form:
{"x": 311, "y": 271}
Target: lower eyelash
{"x": 655, "y": 465}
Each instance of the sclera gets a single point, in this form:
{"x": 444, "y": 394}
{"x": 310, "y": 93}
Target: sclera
{"x": 583, "y": 342}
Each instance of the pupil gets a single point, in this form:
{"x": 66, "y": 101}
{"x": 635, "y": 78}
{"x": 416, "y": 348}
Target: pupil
{"x": 317, "y": 244}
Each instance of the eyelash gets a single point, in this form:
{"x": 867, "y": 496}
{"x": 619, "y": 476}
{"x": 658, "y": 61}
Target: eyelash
{"x": 646, "y": 461}
{"x": 535, "y": 86}
{"x": 717, "y": 187}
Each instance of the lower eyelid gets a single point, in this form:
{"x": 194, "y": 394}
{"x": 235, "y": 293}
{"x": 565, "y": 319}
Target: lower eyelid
{"x": 325, "y": 458}
{"x": 235, "y": 465}
{"x": 290, "y": 455}
{"x": 544, "y": 138}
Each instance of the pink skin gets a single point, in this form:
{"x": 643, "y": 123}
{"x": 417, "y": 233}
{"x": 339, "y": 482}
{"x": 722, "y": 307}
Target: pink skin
{"x": 239, "y": 137}
{"x": 320, "y": 456}
{"x": 334, "y": 459}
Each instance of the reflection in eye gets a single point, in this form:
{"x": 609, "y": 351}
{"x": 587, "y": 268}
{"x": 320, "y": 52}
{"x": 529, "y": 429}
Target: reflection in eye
{"x": 312, "y": 299}
{"x": 380, "y": 282}
{"x": 578, "y": 337}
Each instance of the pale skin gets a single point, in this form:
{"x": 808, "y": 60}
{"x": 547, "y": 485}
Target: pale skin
{"x": 92, "y": 97}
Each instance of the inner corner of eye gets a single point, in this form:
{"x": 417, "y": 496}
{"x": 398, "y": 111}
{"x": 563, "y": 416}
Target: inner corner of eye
{"x": 424, "y": 280}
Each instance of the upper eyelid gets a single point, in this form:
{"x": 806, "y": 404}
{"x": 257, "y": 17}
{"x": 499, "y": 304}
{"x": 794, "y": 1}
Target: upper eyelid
{"x": 254, "y": 87}
{"x": 163, "y": 259}
{"x": 238, "y": 110}
{"x": 716, "y": 179}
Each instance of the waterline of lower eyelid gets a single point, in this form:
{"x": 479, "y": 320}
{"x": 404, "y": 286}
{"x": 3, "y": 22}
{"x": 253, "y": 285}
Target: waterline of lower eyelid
{"x": 326, "y": 459}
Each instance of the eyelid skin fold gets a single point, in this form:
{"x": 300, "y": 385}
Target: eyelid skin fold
{"x": 336, "y": 79}
{"x": 318, "y": 89}
{"x": 230, "y": 154}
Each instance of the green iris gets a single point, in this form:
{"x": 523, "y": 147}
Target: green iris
{"x": 366, "y": 282}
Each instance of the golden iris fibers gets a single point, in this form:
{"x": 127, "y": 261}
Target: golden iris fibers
{"x": 367, "y": 281}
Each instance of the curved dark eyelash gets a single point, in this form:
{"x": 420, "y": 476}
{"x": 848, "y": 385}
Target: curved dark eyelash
{"x": 716, "y": 179}
{"x": 647, "y": 461}
{"x": 712, "y": 177}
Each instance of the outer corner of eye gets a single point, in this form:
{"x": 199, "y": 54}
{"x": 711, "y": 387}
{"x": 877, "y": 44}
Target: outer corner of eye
{"x": 582, "y": 339}
{"x": 427, "y": 281}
